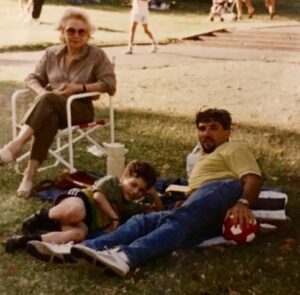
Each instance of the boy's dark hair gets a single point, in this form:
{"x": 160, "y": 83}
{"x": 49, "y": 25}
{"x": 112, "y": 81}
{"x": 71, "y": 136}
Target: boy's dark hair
{"x": 141, "y": 169}
{"x": 218, "y": 115}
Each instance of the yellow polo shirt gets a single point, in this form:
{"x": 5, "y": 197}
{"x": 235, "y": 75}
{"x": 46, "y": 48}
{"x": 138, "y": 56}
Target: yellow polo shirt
{"x": 230, "y": 160}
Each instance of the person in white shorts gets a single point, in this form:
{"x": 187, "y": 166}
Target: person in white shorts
{"x": 139, "y": 14}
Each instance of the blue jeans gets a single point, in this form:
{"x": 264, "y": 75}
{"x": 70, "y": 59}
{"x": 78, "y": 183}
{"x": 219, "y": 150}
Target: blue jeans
{"x": 145, "y": 236}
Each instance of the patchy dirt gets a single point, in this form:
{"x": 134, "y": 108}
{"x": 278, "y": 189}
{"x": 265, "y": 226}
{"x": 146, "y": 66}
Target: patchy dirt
{"x": 257, "y": 88}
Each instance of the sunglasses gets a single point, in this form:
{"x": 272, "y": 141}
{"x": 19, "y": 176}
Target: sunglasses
{"x": 72, "y": 32}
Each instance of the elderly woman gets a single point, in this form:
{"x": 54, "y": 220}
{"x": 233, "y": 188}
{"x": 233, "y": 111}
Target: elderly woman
{"x": 74, "y": 67}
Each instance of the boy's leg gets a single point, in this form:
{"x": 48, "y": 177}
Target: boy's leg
{"x": 56, "y": 246}
{"x": 69, "y": 233}
{"x": 69, "y": 211}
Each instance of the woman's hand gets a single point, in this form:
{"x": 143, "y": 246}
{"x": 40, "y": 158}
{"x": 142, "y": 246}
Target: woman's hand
{"x": 68, "y": 90}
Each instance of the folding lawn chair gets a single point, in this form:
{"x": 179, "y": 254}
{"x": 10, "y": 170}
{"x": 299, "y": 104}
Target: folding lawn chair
{"x": 73, "y": 133}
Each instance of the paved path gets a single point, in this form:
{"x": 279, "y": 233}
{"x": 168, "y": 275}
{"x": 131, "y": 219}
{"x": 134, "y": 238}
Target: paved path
{"x": 23, "y": 62}
{"x": 255, "y": 85}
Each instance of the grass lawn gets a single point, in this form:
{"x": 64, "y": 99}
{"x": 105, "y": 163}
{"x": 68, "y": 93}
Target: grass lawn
{"x": 270, "y": 265}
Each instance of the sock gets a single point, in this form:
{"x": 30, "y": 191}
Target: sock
{"x": 44, "y": 213}
{"x": 49, "y": 224}
{"x": 19, "y": 242}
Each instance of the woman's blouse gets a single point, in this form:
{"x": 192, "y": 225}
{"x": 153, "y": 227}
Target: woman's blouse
{"x": 90, "y": 66}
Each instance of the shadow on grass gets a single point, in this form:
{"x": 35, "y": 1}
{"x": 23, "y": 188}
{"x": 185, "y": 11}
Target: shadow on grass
{"x": 165, "y": 140}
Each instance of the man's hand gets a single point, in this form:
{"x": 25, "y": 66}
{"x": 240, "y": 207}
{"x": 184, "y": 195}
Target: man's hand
{"x": 241, "y": 214}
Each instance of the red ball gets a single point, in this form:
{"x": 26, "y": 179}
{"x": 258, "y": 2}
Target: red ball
{"x": 238, "y": 234}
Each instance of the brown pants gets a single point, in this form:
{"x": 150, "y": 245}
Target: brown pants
{"x": 48, "y": 115}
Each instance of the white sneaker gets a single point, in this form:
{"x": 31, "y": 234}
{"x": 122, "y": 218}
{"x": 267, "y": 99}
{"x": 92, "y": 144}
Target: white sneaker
{"x": 154, "y": 48}
{"x": 129, "y": 50}
{"x": 50, "y": 252}
{"x": 114, "y": 259}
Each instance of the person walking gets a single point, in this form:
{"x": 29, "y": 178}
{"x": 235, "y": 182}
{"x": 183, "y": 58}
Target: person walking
{"x": 140, "y": 14}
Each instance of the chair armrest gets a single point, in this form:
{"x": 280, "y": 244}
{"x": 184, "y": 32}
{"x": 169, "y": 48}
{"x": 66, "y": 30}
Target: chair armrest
{"x": 75, "y": 97}
{"x": 20, "y": 93}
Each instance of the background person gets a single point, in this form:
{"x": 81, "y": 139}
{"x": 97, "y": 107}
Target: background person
{"x": 74, "y": 67}
{"x": 140, "y": 14}
{"x": 25, "y": 9}
{"x": 271, "y": 6}
{"x": 37, "y": 9}
{"x": 239, "y": 8}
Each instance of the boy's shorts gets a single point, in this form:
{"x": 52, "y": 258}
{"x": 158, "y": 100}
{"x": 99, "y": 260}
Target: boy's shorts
{"x": 140, "y": 18}
{"x": 75, "y": 192}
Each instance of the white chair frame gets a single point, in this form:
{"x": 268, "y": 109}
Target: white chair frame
{"x": 69, "y": 131}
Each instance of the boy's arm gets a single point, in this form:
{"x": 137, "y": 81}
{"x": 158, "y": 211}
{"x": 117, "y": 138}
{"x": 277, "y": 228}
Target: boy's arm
{"x": 157, "y": 203}
{"x": 106, "y": 207}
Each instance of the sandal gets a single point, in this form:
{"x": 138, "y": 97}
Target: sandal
{"x": 25, "y": 188}
{"x": 6, "y": 156}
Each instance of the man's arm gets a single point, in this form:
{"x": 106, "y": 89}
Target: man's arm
{"x": 241, "y": 211}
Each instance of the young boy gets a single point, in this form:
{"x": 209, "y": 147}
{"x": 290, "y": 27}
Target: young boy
{"x": 102, "y": 207}
{"x": 139, "y": 14}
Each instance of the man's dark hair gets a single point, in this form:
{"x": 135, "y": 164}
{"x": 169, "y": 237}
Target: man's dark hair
{"x": 217, "y": 115}
{"x": 141, "y": 169}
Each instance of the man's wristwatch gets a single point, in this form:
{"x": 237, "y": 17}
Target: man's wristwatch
{"x": 243, "y": 201}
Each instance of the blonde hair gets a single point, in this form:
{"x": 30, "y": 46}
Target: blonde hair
{"x": 74, "y": 13}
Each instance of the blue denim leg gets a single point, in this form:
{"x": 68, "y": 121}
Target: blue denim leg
{"x": 137, "y": 226}
{"x": 204, "y": 209}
